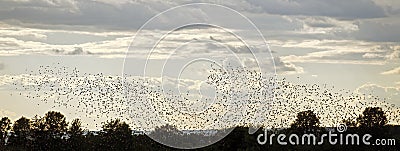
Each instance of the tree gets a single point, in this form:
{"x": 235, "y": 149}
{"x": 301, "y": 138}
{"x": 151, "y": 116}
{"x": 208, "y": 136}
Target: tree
{"x": 38, "y": 123}
{"x": 168, "y": 134}
{"x": 55, "y": 123}
{"x": 39, "y": 138}
{"x": 306, "y": 121}
{"x": 48, "y": 131}
{"x": 22, "y": 128}
{"x": 116, "y": 126}
{"x": 76, "y": 139}
{"x": 76, "y": 128}
{"x": 116, "y": 135}
{"x": 350, "y": 122}
{"x": 5, "y": 126}
{"x": 23, "y": 124}
{"x": 171, "y": 129}
{"x": 372, "y": 117}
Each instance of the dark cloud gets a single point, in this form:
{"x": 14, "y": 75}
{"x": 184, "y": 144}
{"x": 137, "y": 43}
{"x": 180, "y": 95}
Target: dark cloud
{"x": 339, "y": 8}
{"x": 379, "y": 30}
{"x": 57, "y": 51}
{"x": 77, "y": 51}
{"x": 133, "y": 15}
{"x": 85, "y": 13}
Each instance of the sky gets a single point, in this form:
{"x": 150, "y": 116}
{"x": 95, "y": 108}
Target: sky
{"x": 352, "y": 45}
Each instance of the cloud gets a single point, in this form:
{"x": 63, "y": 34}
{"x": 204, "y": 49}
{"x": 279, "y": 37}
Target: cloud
{"x": 390, "y": 53}
{"x": 323, "y": 25}
{"x": 339, "y": 9}
{"x": 14, "y": 46}
{"x": 391, "y": 93}
{"x": 21, "y": 33}
{"x": 394, "y": 54}
{"x": 379, "y": 29}
{"x": 57, "y": 51}
{"x": 329, "y": 31}
{"x": 88, "y": 13}
{"x": 61, "y": 4}
{"x": 283, "y": 68}
{"x": 392, "y": 71}
{"x": 287, "y": 67}
{"x": 372, "y": 55}
{"x": 77, "y": 51}
{"x": 143, "y": 9}
{"x": 340, "y": 51}
{"x": 392, "y": 7}
{"x": 132, "y": 14}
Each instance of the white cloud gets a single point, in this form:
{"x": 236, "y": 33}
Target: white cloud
{"x": 372, "y": 55}
{"x": 391, "y": 93}
{"x": 21, "y": 33}
{"x": 392, "y": 71}
{"x": 293, "y": 19}
{"x": 117, "y": 43}
{"x": 323, "y": 25}
{"x": 340, "y": 51}
{"x": 287, "y": 67}
{"x": 395, "y": 54}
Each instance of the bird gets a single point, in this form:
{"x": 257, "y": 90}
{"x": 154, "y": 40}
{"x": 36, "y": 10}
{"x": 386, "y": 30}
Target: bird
{"x": 243, "y": 97}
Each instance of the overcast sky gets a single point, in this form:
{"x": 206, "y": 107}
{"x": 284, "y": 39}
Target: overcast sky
{"x": 353, "y": 44}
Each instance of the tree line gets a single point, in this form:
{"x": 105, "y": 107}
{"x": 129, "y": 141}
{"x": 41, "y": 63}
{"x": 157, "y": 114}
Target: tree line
{"x": 53, "y": 132}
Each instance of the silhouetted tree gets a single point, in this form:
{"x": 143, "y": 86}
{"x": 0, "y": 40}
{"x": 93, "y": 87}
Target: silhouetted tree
{"x": 75, "y": 132}
{"x": 37, "y": 134}
{"x": 372, "y": 117}
{"x": 38, "y": 123}
{"x": 22, "y": 131}
{"x": 168, "y": 134}
{"x": 116, "y": 135}
{"x": 55, "y": 123}
{"x": 48, "y": 131}
{"x": 168, "y": 128}
{"x": 306, "y": 121}
{"x": 76, "y": 128}
{"x": 238, "y": 139}
{"x": 350, "y": 122}
{"x": 22, "y": 126}
{"x": 5, "y": 126}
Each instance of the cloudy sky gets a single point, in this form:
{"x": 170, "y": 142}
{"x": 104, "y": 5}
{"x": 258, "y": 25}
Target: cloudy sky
{"x": 353, "y": 44}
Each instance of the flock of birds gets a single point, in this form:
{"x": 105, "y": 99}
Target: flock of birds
{"x": 242, "y": 97}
